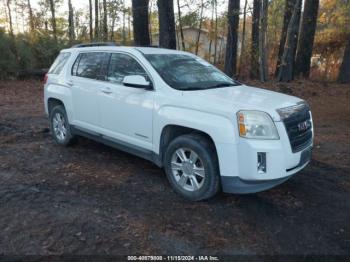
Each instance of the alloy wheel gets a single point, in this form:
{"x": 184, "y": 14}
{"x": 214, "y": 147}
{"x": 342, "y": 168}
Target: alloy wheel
{"x": 188, "y": 169}
{"x": 59, "y": 126}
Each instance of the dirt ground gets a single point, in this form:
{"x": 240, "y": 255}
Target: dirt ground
{"x": 92, "y": 199}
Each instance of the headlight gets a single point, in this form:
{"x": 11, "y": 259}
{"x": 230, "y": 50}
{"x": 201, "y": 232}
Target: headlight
{"x": 256, "y": 125}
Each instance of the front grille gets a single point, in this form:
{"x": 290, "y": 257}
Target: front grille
{"x": 297, "y": 121}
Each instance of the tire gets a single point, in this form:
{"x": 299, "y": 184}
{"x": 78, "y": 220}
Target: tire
{"x": 64, "y": 138}
{"x": 185, "y": 170}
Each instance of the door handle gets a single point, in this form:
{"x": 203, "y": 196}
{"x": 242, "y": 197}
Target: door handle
{"x": 70, "y": 83}
{"x": 107, "y": 90}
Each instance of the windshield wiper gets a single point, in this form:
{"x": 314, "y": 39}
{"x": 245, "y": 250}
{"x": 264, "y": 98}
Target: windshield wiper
{"x": 192, "y": 88}
{"x": 227, "y": 84}
{"x": 219, "y": 85}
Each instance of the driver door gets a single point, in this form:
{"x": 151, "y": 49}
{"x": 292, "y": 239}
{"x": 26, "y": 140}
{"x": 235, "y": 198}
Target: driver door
{"x": 126, "y": 112}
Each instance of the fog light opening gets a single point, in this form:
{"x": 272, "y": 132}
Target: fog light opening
{"x": 261, "y": 162}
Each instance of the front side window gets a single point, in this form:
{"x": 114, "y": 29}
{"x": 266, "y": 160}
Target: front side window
{"x": 59, "y": 63}
{"x": 90, "y": 65}
{"x": 122, "y": 65}
{"x": 185, "y": 72}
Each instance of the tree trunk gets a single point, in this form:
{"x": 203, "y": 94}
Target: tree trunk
{"x": 216, "y": 31}
{"x": 129, "y": 23}
{"x": 31, "y": 18}
{"x": 180, "y": 25}
{"x": 90, "y": 21}
{"x": 344, "y": 72}
{"x": 105, "y": 26}
{"x": 177, "y": 37}
{"x": 124, "y": 32}
{"x": 167, "y": 34}
{"x": 232, "y": 37}
{"x": 243, "y": 37}
{"x": 8, "y": 4}
{"x": 71, "y": 32}
{"x": 211, "y": 29}
{"x": 96, "y": 21}
{"x": 13, "y": 41}
{"x": 53, "y": 19}
{"x": 263, "y": 68}
{"x": 286, "y": 70}
{"x": 306, "y": 39}
{"x": 140, "y": 17}
{"x": 254, "y": 60}
{"x": 114, "y": 18}
{"x": 200, "y": 27}
{"x": 288, "y": 12}
{"x": 22, "y": 7}
{"x": 150, "y": 21}
{"x": 221, "y": 52}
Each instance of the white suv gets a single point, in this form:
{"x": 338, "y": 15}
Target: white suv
{"x": 208, "y": 131}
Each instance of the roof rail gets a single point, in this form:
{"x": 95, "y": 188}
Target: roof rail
{"x": 95, "y": 44}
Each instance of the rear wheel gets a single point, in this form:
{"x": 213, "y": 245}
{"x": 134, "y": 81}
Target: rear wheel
{"x": 60, "y": 127}
{"x": 192, "y": 168}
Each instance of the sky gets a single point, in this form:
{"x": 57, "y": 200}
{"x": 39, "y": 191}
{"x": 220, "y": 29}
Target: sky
{"x": 84, "y": 4}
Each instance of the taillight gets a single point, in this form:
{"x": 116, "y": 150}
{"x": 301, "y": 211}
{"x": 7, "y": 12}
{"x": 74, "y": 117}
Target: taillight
{"x": 45, "y": 78}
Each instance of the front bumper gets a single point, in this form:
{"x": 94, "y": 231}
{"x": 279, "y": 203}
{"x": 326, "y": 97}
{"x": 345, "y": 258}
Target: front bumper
{"x": 254, "y": 165}
{"x": 280, "y": 160}
{"x": 234, "y": 184}
{"x": 238, "y": 165}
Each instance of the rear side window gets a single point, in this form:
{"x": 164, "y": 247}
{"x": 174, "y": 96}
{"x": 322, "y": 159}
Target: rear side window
{"x": 59, "y": 63}
{"x": 91, "y": 65}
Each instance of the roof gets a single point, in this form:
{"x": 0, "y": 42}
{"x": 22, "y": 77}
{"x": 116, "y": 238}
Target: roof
{"x": 144, "y": 50}
{"x": 152, "y": 50}
{"x": 95, "y": 44}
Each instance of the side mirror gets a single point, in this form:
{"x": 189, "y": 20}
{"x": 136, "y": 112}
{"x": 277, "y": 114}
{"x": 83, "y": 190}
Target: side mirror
{"x": 137, "y": 81}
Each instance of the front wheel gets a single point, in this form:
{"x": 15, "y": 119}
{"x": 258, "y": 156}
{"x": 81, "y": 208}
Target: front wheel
{"x": 192, "y": 168}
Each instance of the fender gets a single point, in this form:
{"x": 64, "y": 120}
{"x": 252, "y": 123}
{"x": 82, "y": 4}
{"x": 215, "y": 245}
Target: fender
{"x": 62, "y": 93}
{"x": 222, "y": 130}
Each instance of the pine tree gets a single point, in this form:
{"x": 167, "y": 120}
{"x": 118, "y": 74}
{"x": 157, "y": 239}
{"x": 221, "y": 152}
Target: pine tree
{"x": 71, "y": 33}
{"x": 344, "y": 73}
{"x": 254, "y": 61}
{"x": 288, "y": 12}
{"x": 306, "y": 39}
{"x": 97, "y": 35}
{"x": 232, "y": 38}
{"x": 53, "y": 19}
{"x": 140, "y": 17}
{"x": 286, "y": 70}
{"x": 167, "y": 34}
{"x": 90, "y": 21}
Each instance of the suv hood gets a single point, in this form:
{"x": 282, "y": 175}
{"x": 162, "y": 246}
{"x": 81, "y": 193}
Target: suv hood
{"x": 232, "y": 99}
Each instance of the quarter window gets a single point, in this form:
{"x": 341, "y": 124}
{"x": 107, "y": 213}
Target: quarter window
{"x": 122, "y": 65}
{"x": 90, "y": 65}
{"x": 59, "y": 63}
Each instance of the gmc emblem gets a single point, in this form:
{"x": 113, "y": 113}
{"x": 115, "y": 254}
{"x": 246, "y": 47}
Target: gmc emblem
{"x": 303, "y": 126}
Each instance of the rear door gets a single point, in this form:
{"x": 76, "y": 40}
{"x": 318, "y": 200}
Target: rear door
{"x": 88, "y": 72}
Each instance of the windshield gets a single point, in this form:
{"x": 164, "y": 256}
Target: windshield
{"x": 185, "y": 72}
